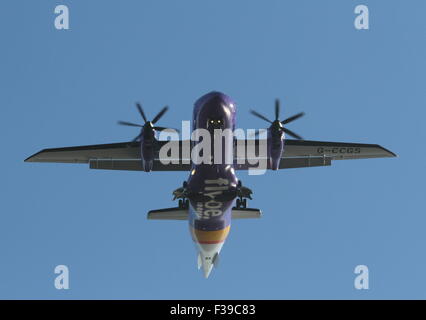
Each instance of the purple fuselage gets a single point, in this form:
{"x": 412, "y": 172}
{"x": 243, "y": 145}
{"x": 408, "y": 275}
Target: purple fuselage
{"x": 212, "y": 187}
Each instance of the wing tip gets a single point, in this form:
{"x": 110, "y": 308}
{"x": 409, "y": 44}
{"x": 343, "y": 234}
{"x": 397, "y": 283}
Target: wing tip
{"x": 31, "y": 158}
{"x": 391, "y": 154}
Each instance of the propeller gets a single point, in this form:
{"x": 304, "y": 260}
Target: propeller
{"x": 277, "y": 125}
{"x": 149, "y": 126}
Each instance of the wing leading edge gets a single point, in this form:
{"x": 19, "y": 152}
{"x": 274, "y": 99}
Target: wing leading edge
{"x": 84, "y": 154}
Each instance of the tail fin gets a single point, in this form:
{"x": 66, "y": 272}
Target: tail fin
{"x": 216, "y": 260}
{"x": 199, "y": 261}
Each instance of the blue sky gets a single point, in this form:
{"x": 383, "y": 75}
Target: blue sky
{"x": 69, "y": 87}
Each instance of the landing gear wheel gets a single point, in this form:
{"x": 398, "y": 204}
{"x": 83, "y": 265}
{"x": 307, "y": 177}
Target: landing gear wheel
{"x": 244, "y": 203}
{"x": 241, "y": 203}
{"x": 183, "y": 204}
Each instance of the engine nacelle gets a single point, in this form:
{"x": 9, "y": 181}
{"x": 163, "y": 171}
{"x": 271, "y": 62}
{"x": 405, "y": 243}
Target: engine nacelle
{"x": 147, "y": 152}
{"x": 275, "y": 149}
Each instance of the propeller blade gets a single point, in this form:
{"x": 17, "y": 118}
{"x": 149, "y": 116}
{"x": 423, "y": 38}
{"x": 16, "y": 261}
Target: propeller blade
{"x": 296, "y": 116}
{"x": 160, "y": 114}
{"x": 277, "y": 109}
{"x": 138, "y": 105}
{"x": 291, "y": 133}
{"x": 125, "y": 123}
{"x": 163, "y": 128}
{"x": 136, "y": 139}
{"x": 257, "y": 114}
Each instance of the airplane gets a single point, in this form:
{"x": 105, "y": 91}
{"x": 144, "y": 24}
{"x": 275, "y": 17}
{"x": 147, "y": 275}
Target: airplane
{"x": 213, "y": 195}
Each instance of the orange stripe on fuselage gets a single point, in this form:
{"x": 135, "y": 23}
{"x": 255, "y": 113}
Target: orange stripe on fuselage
{"x": 209, "y": 237}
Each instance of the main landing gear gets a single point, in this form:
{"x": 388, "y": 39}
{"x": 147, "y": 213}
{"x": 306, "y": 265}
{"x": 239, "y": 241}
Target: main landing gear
{"x": 183, "y": 204}
{"x": 243, "y": 194}
{"x": 181, "y": 194}
{"x": 241, "y": 203}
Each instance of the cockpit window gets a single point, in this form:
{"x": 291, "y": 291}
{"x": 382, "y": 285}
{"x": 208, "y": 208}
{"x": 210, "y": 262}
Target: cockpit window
{"x": 214, "y": 124}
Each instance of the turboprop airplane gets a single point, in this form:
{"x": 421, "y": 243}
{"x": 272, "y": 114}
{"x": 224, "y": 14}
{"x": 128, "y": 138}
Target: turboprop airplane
{"x": 213, "y": 195}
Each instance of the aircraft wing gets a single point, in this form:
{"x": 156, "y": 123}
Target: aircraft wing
{"x": 114, "y": 156}
{"x": 334, "y": 150}
{"x": 84, "y": 154}
{"x": 305, "y": 153}
{"x": 127, "y": 156}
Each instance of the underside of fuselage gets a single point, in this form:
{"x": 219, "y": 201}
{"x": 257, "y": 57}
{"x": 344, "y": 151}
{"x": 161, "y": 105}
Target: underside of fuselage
{"x": 212, "y": 187}
{"x": 212, "y": 195}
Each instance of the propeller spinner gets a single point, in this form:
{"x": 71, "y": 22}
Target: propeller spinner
{"x": 277, "y": 126}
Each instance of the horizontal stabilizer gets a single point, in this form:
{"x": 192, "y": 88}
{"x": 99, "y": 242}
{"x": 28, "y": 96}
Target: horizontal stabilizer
{"x": 245, "y": 213}
{"x": 168, "y": 214}
{"x": 182, "y": 214}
